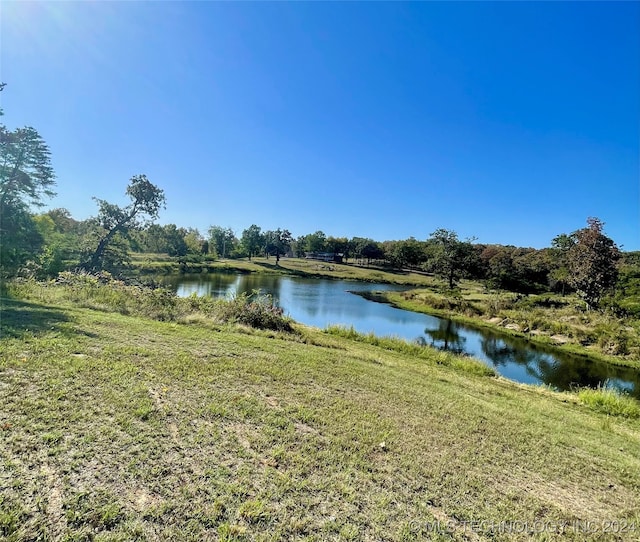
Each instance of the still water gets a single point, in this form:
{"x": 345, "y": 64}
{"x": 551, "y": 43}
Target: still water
{"x": 318, "y": 302}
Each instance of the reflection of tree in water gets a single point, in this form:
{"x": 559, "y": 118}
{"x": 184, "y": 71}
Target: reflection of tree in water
{"x": 500, "y": 352}
{"x": 264, "y": 284}
{"x": 570, "y": 372}
{"x": 555, "y": 368}
{"x": 446, "y": 337}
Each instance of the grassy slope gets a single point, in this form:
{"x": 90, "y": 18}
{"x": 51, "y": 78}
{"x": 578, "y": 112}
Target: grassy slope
{"x": 122, "y": 428}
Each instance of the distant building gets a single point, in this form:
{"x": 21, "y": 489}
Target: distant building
{"x": 324, "y": 256}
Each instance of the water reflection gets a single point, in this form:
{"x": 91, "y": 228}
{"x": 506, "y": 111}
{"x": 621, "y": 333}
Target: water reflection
{"x": 446, "y": 337}
{"x": 320, "y": 303}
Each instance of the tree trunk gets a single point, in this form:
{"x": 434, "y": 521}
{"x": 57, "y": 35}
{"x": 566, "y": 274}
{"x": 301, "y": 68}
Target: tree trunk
{"x": 96, "y": 260}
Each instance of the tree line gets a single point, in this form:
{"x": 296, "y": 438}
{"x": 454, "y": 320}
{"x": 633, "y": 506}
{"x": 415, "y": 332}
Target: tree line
{"x": 585, "y": 261}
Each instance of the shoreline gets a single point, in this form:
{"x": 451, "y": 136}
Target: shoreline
{"x": 372, "y": 275}
{"x": 391, "y": 298}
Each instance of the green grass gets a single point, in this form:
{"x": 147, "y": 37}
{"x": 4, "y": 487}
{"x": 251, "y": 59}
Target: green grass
{"x": 547, "y": 319}
{"x": 152, "y": 264}
{"x": 125, "y": 427}
{"x": 610, "y": 402}
{"x": 430, "y": 355}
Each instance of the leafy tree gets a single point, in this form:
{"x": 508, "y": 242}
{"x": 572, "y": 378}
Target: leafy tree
{"x": 338, "y": 245}
{"x": 364, "y": 248}
{"x": 448, "y": 256}
{"x": 152, "y": 239}
{"x": 532, "y": 269}
{"x": 500, "y": 269}
{"x": 168, "y": 239}
{"x": 299, "y": 246}
{"x": 592, "y": 262}
{"x": 409, "y": 252}
{"x": 174, "y": 240}
{"x": 50, "y": 259}
{"x": 66, "y": 235}
{"x": 194, "y": 241}
{"x": 559, "y": 274}
{"x": 223, "y": 240}
{"x": 277, "y": 243}
{"x": 252, "y": 240}
{"x": 316, "y": 242}
{"x": 20, "y": 240}
{"x": 146, "y": 201}
{"x": 26, "y": 177}
{"x": 64, "y": 222}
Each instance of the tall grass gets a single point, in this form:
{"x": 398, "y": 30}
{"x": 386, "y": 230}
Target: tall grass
{"x": 104, "y": 292}
{"x": 610, "y": 402}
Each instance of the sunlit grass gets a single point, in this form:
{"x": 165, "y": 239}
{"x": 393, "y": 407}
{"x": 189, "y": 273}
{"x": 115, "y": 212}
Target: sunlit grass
{"x": 610, "y": 402}
{"x": 120, "y": 426}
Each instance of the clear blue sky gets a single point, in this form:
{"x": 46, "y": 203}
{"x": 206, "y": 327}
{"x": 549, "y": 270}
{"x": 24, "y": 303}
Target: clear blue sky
{"x": 510, "y": 122}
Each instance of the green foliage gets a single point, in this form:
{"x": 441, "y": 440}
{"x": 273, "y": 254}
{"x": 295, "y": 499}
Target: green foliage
{"x": 115, "y": 256}
{"x": 610, "y": 402}
{"x": 26, "y": 174}
{"x": 592, "y": 263}
{"x": 315, "y": 242}
{"x": 102, "y": 291}
{"x": 26, "y": 177}
{"x": 447, "y": 256}
{"x": 277, "y": 243}
{"x": 255, "y": 310}
{"x": 625, "y": 301}
{"x": 222, "y": 240}
{"x": 338, "y": 245}
{"x": 167, "y": 239}
{"x": 365, "y": 249}
{"x": 252, "y": 240}
{"x": 20, "y": 240}
{"x": 146, "y": 201}
{"x": 409, "y": 253}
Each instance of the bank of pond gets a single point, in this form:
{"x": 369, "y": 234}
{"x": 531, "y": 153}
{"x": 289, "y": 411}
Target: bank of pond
{"x": 324, "y": 302}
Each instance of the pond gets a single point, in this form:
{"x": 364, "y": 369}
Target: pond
{"x": 323, "y": 302}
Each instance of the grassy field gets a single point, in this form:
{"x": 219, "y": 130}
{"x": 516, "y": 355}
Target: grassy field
{"x": 122, "y": 427}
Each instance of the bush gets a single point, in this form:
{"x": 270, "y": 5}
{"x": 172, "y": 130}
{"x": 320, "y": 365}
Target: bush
{"x": 102, "y": 291}
{"x": 255, "y": 310}
{"x": 610, "y": 402}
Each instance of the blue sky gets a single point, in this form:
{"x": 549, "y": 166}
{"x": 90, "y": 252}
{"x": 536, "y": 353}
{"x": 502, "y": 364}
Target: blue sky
{"x": 510, "y": 122}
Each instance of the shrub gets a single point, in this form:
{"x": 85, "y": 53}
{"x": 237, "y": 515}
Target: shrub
{"x": 610, "y": 402}
{"x": 255, "y": 310}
